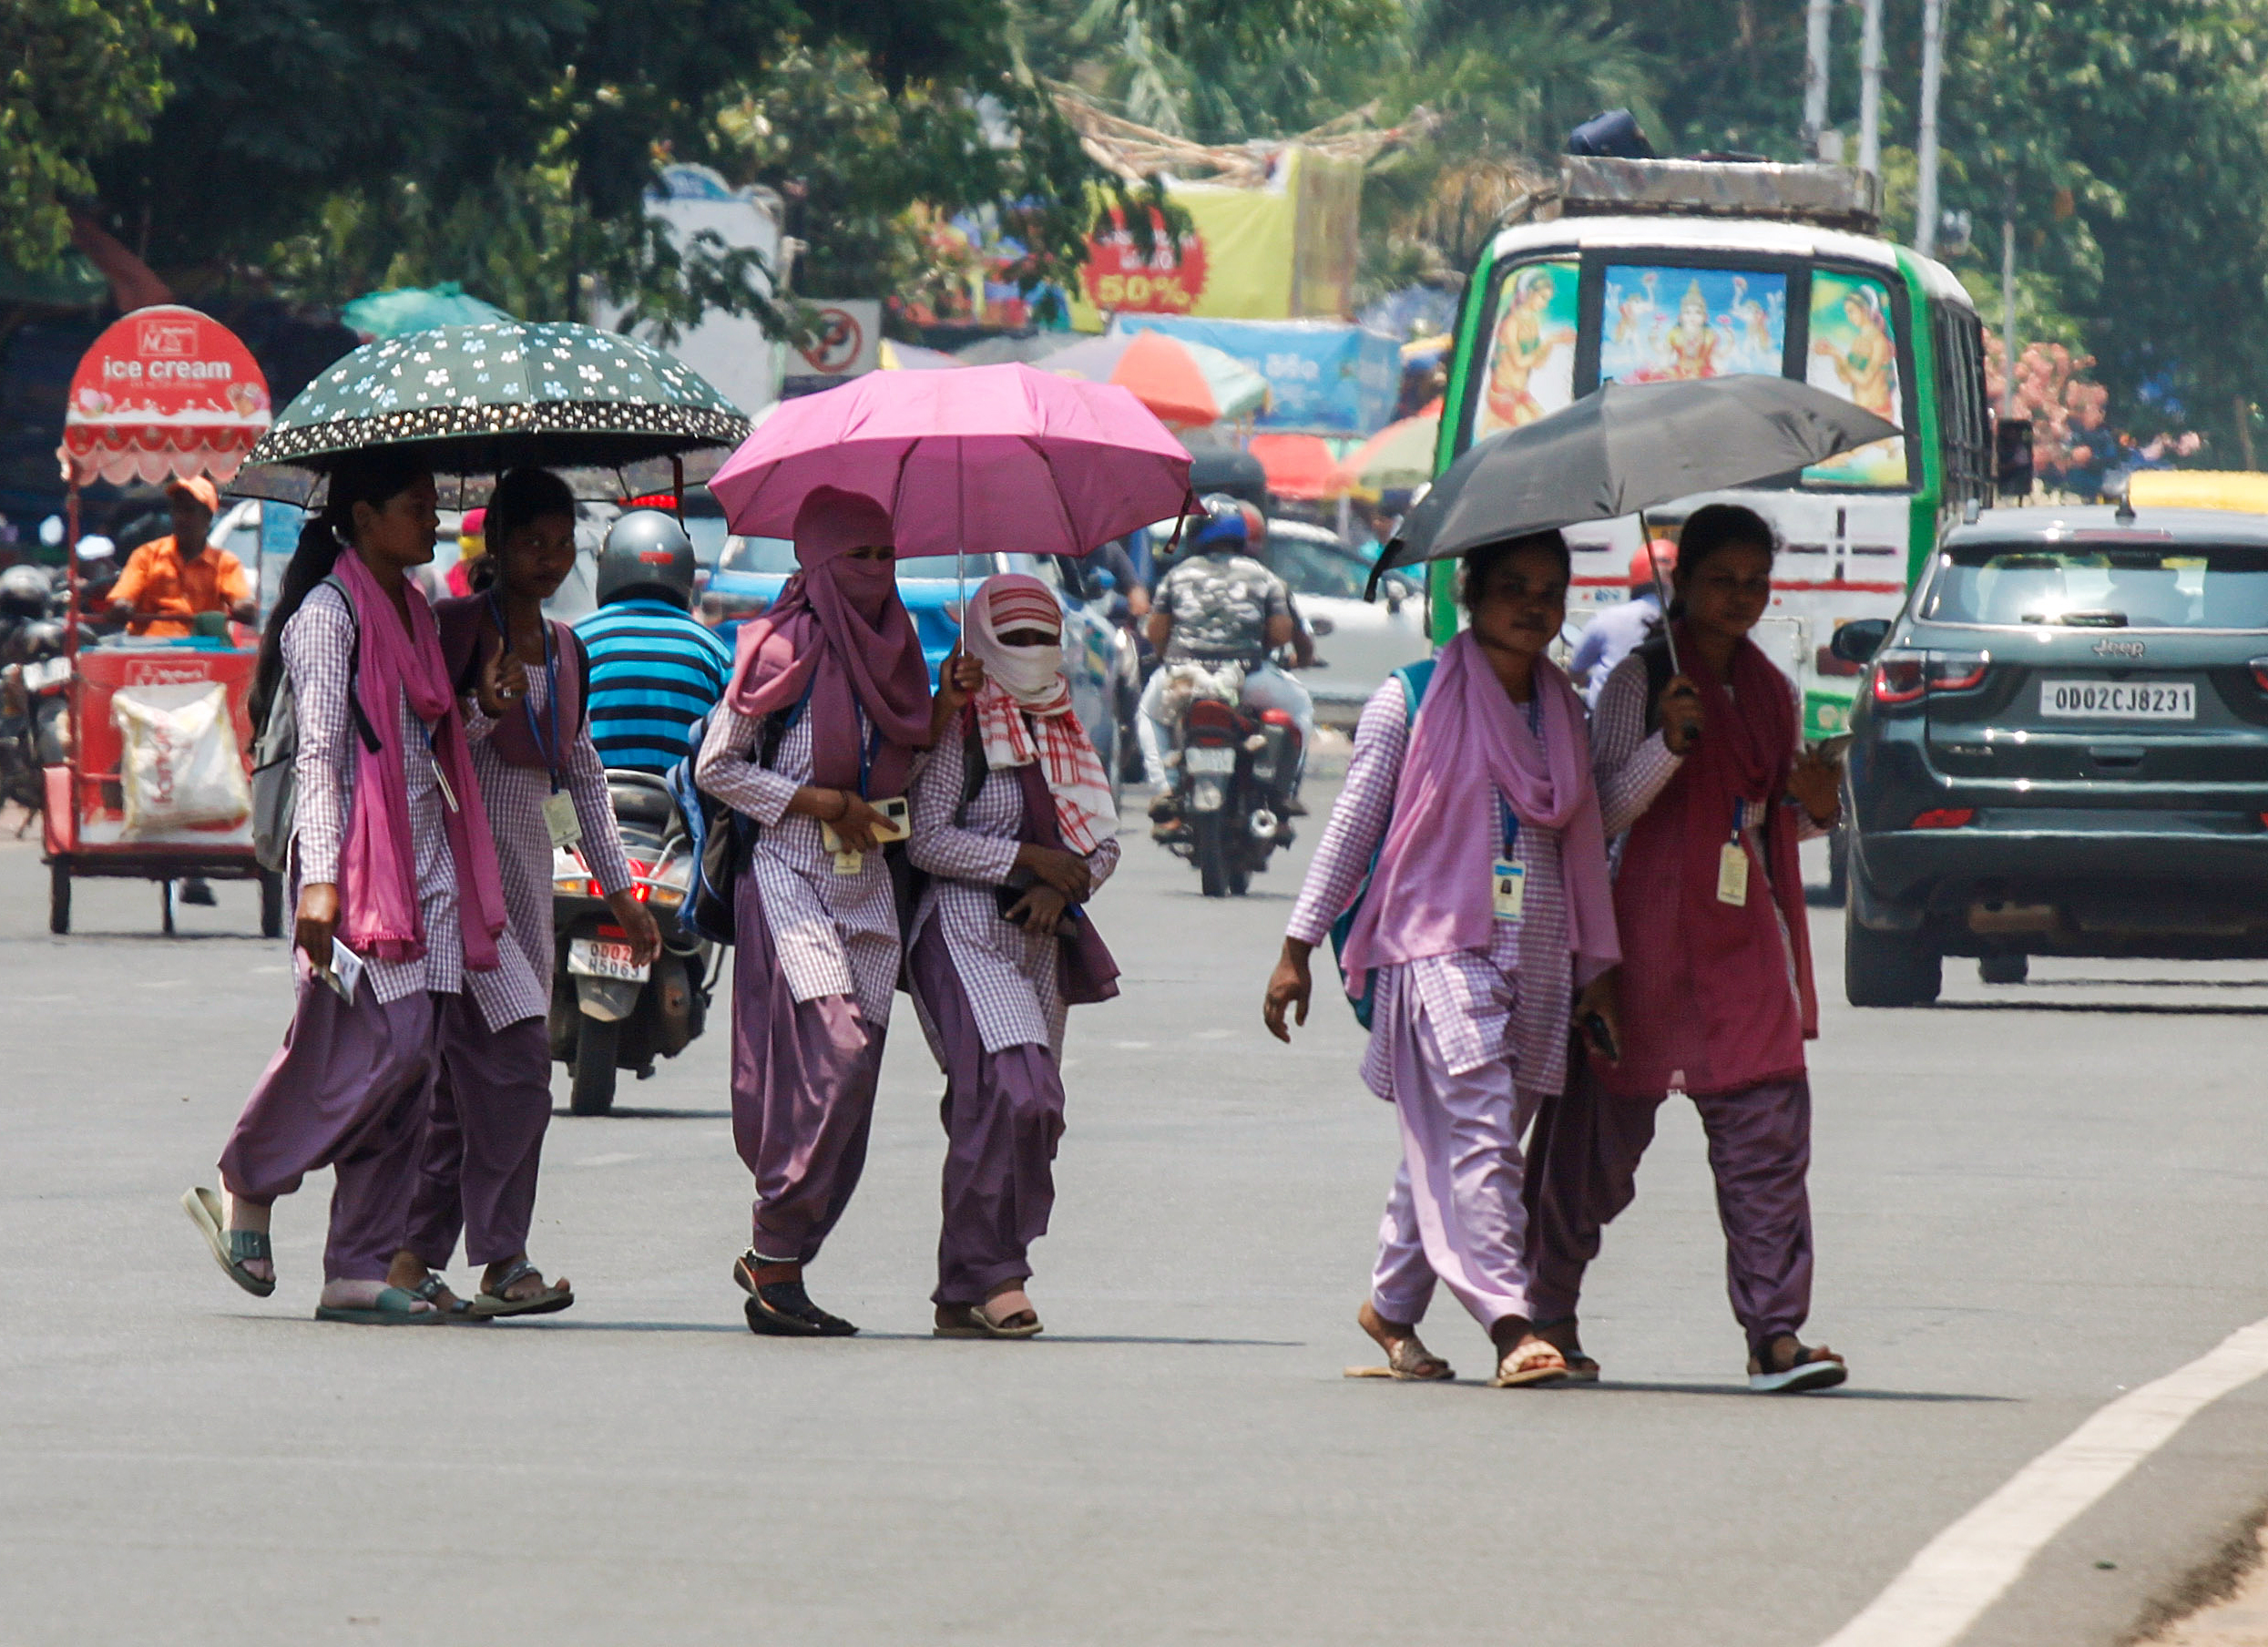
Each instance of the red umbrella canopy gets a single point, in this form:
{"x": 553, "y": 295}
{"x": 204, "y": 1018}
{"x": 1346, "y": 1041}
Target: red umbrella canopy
{"x": 1186, "y": 384}
{"x": 1298, "y": 466}
{"x": 164, "y": 392}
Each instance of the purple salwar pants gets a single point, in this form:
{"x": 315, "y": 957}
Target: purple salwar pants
{"x": 803, "y": 1078}
{"x": 1456, "y": 1213}
{"x": 1003, "y": 1114}
{"x": 347, "y": 1091}
{"x": 1588, "y": 1145}
{"x": 484, "y": 1138}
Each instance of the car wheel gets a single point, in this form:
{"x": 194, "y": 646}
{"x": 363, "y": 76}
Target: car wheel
{"x": 1888, "y": 969}
{"x": 2003, "y": 968}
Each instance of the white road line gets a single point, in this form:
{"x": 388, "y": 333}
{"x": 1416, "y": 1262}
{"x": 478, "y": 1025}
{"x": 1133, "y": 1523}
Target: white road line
{"x": 1967, "y": 1568}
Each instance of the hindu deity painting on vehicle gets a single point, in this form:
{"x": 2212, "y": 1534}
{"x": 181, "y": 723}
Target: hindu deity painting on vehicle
{"x": 1531, "y": 349}
{"x": 1664, "y": 325}
{"x": 1855, "y": 355}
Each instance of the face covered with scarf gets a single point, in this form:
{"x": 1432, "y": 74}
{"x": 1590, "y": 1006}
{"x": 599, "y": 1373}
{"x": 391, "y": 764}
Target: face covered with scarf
{"x": 839, "y": 633}
{"x": 1023, "y": 712}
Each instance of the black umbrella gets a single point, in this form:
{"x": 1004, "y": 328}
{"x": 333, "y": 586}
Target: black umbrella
{"x": 1624, "y": 448}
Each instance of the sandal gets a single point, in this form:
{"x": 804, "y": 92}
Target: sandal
{"x": 1811, "y": 1369}
{"x": 1581, "y": 1368}
{"x": 491, "y": 1303}
{"x": 1407, "y": 1362}
{"x": 231, "y": 1249}
{"x": 1538, "y": 1361}
{"x": 783, "y": 1309}
{"x": 457, "y": 1311}
{"x": 974, "y": 1320}
{"x": 394, "y": 1306}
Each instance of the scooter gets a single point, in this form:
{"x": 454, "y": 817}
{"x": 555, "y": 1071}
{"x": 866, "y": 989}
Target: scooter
{"x": 608, "y": 1012}
{"x": 1232, "y": 772}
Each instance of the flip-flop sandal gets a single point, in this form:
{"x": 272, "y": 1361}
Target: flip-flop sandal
{"x": 1408, "y": 1362}
{"x": 492, "y": 1305}
{"x": 783, "y": 1309}
{"x": 1531, "y": 1365}
{"x": 456, "y": 1313}
{"x": 1581, "y": 1368}
{"x": 231, "y": 1249}
{"x": 394, "y": 1306}
{"x": 972, "y": 1321}
{"x": 1811, "y": 1370}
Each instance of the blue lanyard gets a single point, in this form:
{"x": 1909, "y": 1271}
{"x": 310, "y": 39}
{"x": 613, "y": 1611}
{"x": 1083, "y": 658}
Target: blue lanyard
{"x": 1739, "y": 811}
{"x": 548, "y": 750}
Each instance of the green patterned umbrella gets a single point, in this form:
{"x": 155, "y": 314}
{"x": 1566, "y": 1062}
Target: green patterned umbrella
{"x": 597, "y": 406}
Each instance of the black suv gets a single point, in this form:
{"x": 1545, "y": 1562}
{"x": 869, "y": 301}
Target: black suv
{"x": 2061, "y": 748}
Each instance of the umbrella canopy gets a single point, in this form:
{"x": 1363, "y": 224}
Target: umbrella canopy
{"x": 1298, "y": 466}
{"x": 1401, "y": 455}
{"x": 478, "y": 400}
{"x": 377, "y": 314}
{"x": 1184, "y": 383}
{"x": 987, "y": 458}
{"x": 1627, "y": 448}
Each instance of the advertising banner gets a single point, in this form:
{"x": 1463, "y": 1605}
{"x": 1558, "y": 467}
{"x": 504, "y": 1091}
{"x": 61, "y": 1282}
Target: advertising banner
{"x": 1325, "y": 377}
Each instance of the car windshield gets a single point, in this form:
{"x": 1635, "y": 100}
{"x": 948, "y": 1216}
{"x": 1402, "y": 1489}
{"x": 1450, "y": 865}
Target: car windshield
{"x": 2096, "y": 583}
{"x": 773, "y": 555}
{"x": 1310, "y": 569}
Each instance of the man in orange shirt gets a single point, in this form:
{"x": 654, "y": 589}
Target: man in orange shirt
{"x": 169, "y": 580}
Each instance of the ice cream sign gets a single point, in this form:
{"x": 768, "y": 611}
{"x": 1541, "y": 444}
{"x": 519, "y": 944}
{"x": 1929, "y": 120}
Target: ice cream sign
{"x": 164, "y": 392}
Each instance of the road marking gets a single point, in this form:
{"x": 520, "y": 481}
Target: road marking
{"x": 606, "y": 1161}
{"x": 1969, "y": 1566}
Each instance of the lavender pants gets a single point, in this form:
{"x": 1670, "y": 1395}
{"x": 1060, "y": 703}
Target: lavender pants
{"x": 1456, "y": 1213}
{"x": 1587, "y": 1149}
{"x": 484, "y": 1138}
{"x": 1003, "y": 1114}
{"x": 803, "y": 1076}
{"x": 347, "y": 1090}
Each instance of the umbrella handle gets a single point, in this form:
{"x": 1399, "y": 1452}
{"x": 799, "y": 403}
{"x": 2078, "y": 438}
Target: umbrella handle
{"x": 1661, "y": 592}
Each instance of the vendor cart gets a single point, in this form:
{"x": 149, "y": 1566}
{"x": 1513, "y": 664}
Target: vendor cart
{"x": 166, "y": 393}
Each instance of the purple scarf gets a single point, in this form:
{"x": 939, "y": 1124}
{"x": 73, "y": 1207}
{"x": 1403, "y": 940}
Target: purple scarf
{"x": 378, "y": 870}
{"x": 839, "y": 631}
{"x": 1430, "y": 893}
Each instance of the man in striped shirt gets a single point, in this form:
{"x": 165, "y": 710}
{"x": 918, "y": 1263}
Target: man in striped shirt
{"x": 653, "y": 670}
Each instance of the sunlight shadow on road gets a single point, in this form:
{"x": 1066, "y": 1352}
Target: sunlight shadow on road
{"x": 2157, "y": 1009}
{"x": 1846, "y": 1393}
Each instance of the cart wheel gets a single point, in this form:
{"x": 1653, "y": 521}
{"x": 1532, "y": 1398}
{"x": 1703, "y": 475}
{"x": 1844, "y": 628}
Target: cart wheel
{"x": 165, "y": 905}
{"x": 271, "y": 904}
{"x": 58, "y": 896}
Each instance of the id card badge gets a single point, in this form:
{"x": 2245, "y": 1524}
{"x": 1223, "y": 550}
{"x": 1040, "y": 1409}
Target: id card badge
{"x": 559, "y": 818}
{"x": 1510, "y": 883}
{"x": 1732, "y": 875}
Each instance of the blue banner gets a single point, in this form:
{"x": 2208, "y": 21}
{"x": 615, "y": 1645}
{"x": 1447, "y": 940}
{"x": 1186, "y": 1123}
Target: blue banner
{"x": 1327, "y": 377}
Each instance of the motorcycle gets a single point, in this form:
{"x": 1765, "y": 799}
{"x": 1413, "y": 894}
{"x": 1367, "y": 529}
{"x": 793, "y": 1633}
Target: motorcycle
{"x": 1232, "y": 772}
{"x": 34, "y": 689}
{"x": 609, "y": 1013}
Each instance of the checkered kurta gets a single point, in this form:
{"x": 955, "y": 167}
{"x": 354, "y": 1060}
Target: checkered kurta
{"x": 1510, "y": 1000}
{"x": 317, "y": 644}
{"x": 834, "y": 935}
{"x": 1008, "y": 973}
{"x": 514, "y": 796}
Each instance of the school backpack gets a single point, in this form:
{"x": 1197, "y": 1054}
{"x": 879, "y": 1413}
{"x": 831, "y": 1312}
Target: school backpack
{"x": 1414, "y": 678}
{"x": 275, "y": 757}
{"x": 721, "y": 836}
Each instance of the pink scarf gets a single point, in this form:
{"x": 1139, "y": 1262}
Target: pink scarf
{"x": 378, "y": 870}
{"x": 1431, "y": 892}
{"x": 839, "y": 631}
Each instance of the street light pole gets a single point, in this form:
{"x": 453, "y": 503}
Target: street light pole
{"x": 1870, "y": 90}
{"x": 1815, "y": 28}
{"x": 2007, "y": 300}
{"x": 1926, "y": 143}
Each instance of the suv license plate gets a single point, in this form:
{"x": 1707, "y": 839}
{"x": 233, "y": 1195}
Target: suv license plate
{"x": 1210, "y": 760}
{"x": 2118, "y": 700}
{"x": 598, "y": 957}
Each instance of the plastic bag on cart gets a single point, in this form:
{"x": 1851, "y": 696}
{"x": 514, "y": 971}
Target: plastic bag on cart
{"x": 180, "y": 766}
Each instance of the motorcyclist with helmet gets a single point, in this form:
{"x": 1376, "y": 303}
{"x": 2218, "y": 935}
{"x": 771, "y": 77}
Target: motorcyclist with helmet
{"x": 1221, "y": 605}
{"x": 654, "y": 669}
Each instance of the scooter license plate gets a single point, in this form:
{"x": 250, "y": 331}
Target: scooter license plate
{"x": 597, "y": 957}
{"x": 1200, "y": 759}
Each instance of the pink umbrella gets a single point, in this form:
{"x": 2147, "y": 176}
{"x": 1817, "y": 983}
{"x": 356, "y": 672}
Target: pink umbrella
{"x": 984, "y": 459}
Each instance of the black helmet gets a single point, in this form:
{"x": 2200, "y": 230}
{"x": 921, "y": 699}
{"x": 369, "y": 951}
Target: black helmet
{"x": 648, "y": 553}
{"x": 24, "y": 591}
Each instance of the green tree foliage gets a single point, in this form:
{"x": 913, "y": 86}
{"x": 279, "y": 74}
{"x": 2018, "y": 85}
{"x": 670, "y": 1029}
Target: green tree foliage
{"x": 76, "y": 78}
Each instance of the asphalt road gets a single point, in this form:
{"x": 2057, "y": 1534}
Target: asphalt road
{"x": 2026, "y": 1200}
